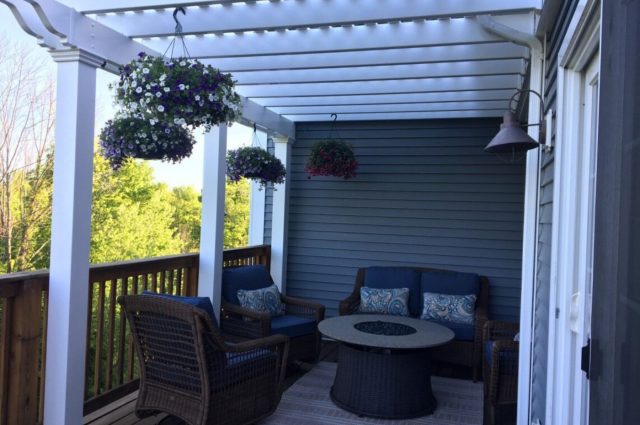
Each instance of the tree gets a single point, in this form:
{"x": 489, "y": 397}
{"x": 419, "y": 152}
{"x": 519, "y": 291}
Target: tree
{"x": 236, "y": 214}
{"x": 132, "y": 215}
{"x": 186, "y": 217}
{"x": 27, "y": 113}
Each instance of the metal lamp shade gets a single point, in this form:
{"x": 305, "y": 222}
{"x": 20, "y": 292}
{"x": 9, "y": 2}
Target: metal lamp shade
{"x": 511, "y": 138}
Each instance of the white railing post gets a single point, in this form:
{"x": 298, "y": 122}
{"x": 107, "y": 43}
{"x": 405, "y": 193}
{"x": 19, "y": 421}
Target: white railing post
{"x": 212, "y": 227}
{"x": 70, "y": 237}
{"x": 280, "y": 214}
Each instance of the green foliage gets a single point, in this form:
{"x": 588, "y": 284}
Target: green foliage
{"x": 236, "y": 214}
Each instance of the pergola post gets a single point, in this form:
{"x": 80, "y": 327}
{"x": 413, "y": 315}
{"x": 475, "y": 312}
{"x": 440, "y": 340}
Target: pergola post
{"x": 280, "y": 214}
{"x": 70, "y": 237}
{"x": 212, "y": 227}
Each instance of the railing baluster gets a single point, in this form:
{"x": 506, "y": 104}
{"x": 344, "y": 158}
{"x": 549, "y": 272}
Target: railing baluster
{"x": 97, "y": 368}
{"x": 121, "y": 335}
{"x": 113, "y": 283}
{"x": 7, "y": 325}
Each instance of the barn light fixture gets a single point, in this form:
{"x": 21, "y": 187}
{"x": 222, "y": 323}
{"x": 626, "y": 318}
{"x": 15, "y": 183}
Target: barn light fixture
{"x": 512, "y": 139}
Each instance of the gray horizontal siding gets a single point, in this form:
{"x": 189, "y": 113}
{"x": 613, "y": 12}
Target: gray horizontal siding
{"x": 425, "y": 194}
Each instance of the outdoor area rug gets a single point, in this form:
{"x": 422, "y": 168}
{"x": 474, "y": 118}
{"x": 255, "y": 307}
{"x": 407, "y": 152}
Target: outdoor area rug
{"x": 307, "y": 402}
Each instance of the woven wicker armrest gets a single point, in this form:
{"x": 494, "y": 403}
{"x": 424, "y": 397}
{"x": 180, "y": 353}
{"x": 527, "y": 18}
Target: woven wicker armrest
{"x": 277, "y": 343}
{"x": 350, "y": 304}
{"x": 496, "y": 330}
{"x": 504, "y": 366}
{"x": 244, "y": 322}
{"x": 303, "y": 308}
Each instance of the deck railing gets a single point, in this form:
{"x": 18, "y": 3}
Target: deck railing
{"x": 111, "y": 368}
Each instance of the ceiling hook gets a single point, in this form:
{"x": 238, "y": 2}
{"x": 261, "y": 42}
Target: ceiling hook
{"x": 175, "y": 18}
{"x": 335, "y": 117}
{"x": 255, "y": 128}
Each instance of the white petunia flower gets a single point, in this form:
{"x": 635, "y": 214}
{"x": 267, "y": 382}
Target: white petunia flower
{"x": 197, "y": 97}
{"x": 182, "y": 63}
{"x": 134, "y": 83}
{"x": 163, "y": 77}
{"x": 181, "y": 86}
{"x": 139, "y": 90}
{"x": 166, "y": 89}
{"x": 160, "y": 108}
{"x": 158, "y": 94}
{"x": 145, "y": 70}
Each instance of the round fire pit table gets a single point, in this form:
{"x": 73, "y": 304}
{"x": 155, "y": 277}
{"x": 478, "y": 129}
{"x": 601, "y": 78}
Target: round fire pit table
{"x": 384, "y": 369}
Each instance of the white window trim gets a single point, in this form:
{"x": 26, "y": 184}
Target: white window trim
{"x": 579, "y": 44}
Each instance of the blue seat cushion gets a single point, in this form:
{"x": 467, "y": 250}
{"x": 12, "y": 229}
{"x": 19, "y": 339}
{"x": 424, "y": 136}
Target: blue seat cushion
{"x": 450, "y": 283}
{"x": 508, "y": 359}
{"x": 248, "y": 278}
{"x": 396, "y": 277}
{"x": 462, "y": 331}
{"x": 201, "y": 302}
{"x": 292, "y": 326}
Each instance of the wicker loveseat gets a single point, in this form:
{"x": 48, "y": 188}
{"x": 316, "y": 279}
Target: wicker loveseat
{"x": 466, "y": 348}
{"x": 299, "y": 322}
{"x": 187, "y": 370}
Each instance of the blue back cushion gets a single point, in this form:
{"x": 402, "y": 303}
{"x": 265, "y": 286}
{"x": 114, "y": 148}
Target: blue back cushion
{"x": 450, "y": 283}
{"x": 246, "y": 277}
{"x": 201, "y": 302}
{"x": 396, "y": 277}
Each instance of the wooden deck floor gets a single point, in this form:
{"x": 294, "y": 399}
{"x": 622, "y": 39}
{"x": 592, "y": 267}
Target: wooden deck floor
{"x": 121, "y": 412}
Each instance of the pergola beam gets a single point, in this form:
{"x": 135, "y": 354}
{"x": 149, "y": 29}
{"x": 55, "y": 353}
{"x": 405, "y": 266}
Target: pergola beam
{"x": 421, "y": 85}
{"x": 229, "y": 17}
{"x": 365, "y": 58}
{"x": 353, "y": 38}
{"x": 388, "y": 99}
{"x": 402, "y": 116}
{"x": 500, "y": 105}
{"x": 390, "y": 72}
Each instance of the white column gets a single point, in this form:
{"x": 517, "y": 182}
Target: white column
{"x": 212, "y": 227}
{"x": 530, "y": 244}
{"x": 70, "y": 236}
{"x": 280, "y": 218}
{"x": 257, "y": 209}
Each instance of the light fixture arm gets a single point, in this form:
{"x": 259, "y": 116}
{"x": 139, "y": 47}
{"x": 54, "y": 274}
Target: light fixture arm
{"x": 542, "y": 135}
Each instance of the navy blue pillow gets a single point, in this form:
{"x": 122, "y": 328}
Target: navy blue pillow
{"x": 201, "y": 302}
{"x": 396, "y": 277}
{"x": 248, "y": 278}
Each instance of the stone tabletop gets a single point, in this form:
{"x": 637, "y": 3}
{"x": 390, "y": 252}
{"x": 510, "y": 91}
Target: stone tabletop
{"x": 341, "y": 328}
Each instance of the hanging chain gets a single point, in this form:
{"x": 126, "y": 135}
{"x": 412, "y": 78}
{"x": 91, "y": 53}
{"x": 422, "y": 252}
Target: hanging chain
{"x": 178, "y": 35}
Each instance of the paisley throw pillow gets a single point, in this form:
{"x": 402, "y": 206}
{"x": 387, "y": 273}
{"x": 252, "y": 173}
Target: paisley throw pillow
{"x": 263, "y": 299}
{"x": 384, "y": 301}
{"x": 449, "y": 308}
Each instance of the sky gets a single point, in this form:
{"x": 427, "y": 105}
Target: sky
{"x": 186, "y": 173}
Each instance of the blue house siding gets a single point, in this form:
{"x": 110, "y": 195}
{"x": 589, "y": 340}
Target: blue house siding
{"x": 425, "y": 194}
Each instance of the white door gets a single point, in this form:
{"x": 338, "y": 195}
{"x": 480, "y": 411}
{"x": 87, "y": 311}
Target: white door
{"x": 583, "y": 298}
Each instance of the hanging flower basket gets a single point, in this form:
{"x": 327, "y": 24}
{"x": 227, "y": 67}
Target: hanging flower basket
{"x": 130, "y": 137}
{"x": 256, "y": 164}
{"x": 180, "y": 91}
{"x": 331, "y": 157}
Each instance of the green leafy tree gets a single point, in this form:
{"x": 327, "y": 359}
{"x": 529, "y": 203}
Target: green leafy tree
{"x": 187, "y": 205}
{"x": 132, "y": 215}
{"x": 236, "y": 214}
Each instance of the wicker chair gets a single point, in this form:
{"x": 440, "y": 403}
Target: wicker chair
{"x": 188, "y": 371}
{"x": 464, "y": 352}
{"x": 300, "y": 321}
{"x": 500, "y": 369}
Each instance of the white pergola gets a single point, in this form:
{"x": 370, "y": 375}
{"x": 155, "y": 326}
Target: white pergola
{"x": 294, "y": 60}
